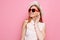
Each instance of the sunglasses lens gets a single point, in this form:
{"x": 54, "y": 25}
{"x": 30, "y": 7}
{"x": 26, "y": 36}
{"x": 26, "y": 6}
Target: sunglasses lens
{"x": 33, "y": 10}
{"x": 29, "y": 10}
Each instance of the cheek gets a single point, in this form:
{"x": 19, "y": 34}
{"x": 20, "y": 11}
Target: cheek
{"x": 31, "y": 14}
{"x": 35, "y": 14}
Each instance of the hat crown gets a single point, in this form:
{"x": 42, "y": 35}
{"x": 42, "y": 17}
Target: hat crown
{"x": 35, "y": 3}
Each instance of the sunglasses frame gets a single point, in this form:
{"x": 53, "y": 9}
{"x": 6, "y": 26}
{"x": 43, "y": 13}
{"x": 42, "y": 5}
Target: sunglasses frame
{"x": 33, "y": 9}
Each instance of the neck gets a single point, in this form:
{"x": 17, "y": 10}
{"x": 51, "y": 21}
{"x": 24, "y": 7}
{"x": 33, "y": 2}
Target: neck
{"x": 36, "y": 19}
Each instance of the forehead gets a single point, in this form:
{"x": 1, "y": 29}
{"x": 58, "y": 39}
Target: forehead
{"x": 33, "y": 7}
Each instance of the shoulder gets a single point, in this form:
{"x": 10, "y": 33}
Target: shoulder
{"x": 25, "y": 23}
{"x": 26, "y": 20}
{"x": 41, "y": 25}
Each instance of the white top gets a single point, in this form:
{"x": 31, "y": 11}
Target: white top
{"x": 30, "y": 33}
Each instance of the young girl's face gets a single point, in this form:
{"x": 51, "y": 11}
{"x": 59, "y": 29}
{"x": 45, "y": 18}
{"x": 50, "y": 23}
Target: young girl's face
{"x": 34, "y": 12}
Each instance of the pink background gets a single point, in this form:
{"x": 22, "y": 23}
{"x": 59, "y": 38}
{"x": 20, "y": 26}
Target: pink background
{"x": 13, "y": 13}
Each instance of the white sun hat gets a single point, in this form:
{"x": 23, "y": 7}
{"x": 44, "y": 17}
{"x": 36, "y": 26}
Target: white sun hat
{"x": 37, "y": 4}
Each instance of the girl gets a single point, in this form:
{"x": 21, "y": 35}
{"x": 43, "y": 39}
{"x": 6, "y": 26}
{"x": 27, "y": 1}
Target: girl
{"x": 34, "y": 27}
